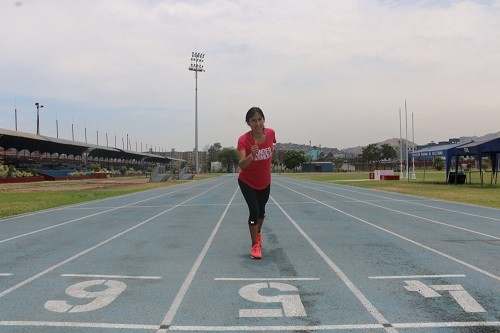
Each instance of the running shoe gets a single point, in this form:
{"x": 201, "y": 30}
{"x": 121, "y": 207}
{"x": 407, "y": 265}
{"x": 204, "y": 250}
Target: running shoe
{"x": 256, "y": 253}
{"x": 259, "y": 239}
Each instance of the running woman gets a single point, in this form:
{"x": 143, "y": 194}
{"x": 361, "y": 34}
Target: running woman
{"x": 255, "y": 151}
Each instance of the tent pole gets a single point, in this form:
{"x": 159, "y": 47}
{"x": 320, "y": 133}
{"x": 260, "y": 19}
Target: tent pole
{"x": 425, "y": 167}
{"x": 493, "y": 162}
{"x": 495, "y": 155}
{"x": 480, "y": 167}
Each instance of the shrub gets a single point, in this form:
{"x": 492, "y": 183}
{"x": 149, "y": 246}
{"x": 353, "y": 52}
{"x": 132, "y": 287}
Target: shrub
{"x": 438, "y": 163}
{"x": 10, "y": 171}
{"x": 123, "y": 170}
{"x": 95, "y": 167}
{"x": 485, "y": 165}
{"x": 80, "y": 173}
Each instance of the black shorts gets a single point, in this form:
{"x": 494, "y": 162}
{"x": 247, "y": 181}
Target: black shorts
{"x": 256, "y": 200}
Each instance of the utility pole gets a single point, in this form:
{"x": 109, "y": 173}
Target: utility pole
{"x": 196, "y": 66}
{"x": 15, "y": 117}
{"x": 38, "y": 106}
{"x": 401, "y": 173}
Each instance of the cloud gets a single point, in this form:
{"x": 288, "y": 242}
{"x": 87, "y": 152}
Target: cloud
{"x": 331, "y": 72}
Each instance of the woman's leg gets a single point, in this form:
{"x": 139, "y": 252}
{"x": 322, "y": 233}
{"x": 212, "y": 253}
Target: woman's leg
{"x": 253, "y": 207}
{"x": 262, "y": 198}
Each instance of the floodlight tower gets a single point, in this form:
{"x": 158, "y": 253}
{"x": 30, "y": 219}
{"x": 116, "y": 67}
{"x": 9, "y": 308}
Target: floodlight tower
{"x": 38, "y": 106}
{"x": 196, "y": 66}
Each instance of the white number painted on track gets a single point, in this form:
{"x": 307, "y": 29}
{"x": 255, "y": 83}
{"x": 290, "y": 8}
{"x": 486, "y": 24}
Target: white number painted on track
{"x": 99, "y": 298}
{"x": 463, "y": 298}
{"x": 291, "y": 303}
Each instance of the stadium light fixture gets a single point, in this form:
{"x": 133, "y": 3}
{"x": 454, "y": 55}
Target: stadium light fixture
{"x": 38, "y": 106}
{"x": 197, "y": 59}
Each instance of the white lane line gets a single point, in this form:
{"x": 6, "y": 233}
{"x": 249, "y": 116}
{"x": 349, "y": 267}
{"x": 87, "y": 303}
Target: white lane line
{"x": 167, "y": 320}
{"x": 6, "y": 274}
{"x": 415, "y": 276}
{"x": 401, "y": 212}
{"x": 335, "y": 327}
{"x": 359, "y": 295}
{"x": 36, "y": 276}
{"x": 449, "y": 324}
{"x": 477, "y": 269}
{"x": 434, "y": 207}
{"x": 88, "y": 216}
{"x": 156, "y": 206}
{"x": 112, "y": 276}
{"x": 247, "y": 328}
{"x": 267, "y": 279}
{"x": 302, "y": 328}
{"x": 342, "y": 188}
{"x": 454, "y": 211}
{"x": 78, "y": 325}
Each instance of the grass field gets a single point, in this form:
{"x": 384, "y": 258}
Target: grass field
{"x": 432, "y": 186}
{"x": 29, "y": 197}
{"x": 21, "y": 198}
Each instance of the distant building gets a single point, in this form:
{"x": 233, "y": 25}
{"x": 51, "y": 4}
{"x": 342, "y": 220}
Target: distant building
{"x": 189, "y": 157}
{"x": 463, "y": 139}
{"x": 215, "y": 166}
{"x": 313, "y": 154}
{"x": 347, "y": 167}
{"x": 317, "y": 167}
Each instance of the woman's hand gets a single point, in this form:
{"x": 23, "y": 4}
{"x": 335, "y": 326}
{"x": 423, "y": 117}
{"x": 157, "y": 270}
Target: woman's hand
{"x": 244, "y": 159}
{"x": 255, "y": 149}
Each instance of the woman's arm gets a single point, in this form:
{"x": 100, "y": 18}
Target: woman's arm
{"x": 243, "y": 159}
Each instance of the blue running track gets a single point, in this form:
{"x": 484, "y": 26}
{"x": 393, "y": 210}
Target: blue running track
{"x": 335, "y": 259}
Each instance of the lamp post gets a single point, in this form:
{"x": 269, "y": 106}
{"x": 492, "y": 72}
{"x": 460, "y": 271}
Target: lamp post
{"x": 196, "y": 66}
{"x": 38, "y": 106}
{"x": 15, "y": 114}
{"x": 413, "y": 176}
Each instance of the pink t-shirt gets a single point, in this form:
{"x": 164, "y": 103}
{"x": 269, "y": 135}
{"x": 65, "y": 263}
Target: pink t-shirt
{"x": 258, "y": 173}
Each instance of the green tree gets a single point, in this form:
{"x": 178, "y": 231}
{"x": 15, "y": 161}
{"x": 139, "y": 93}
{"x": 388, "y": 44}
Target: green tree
{"x": 95, "y": 167}
{"x": 213, "y": 152}
{"x": 321, "y": 156}
{"x": 388, "y": 152}
{"x": 486, "y": 164}
{"x": 228, "y": 158}
{"x": 372, "y": 154}
{"x": 337, "y": 163}
{"x": 276, "y": 161}
{"x": 329, "y": 157}
{"x": 438, "y": 163}
{"x": 292, "y": 159}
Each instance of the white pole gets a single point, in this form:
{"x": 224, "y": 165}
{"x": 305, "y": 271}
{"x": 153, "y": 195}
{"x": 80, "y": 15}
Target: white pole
{"x": 406, "y": 144}
{"x": 15, "y": 113}
{"x": 196, "y": 66}
{"x": 196, "y": 122}
{"x": 401, "y": 173}
{"x": 413, "y": 176}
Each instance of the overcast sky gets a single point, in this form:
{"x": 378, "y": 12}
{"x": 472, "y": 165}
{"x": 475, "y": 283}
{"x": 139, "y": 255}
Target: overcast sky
{"x": 332, "y": 73}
